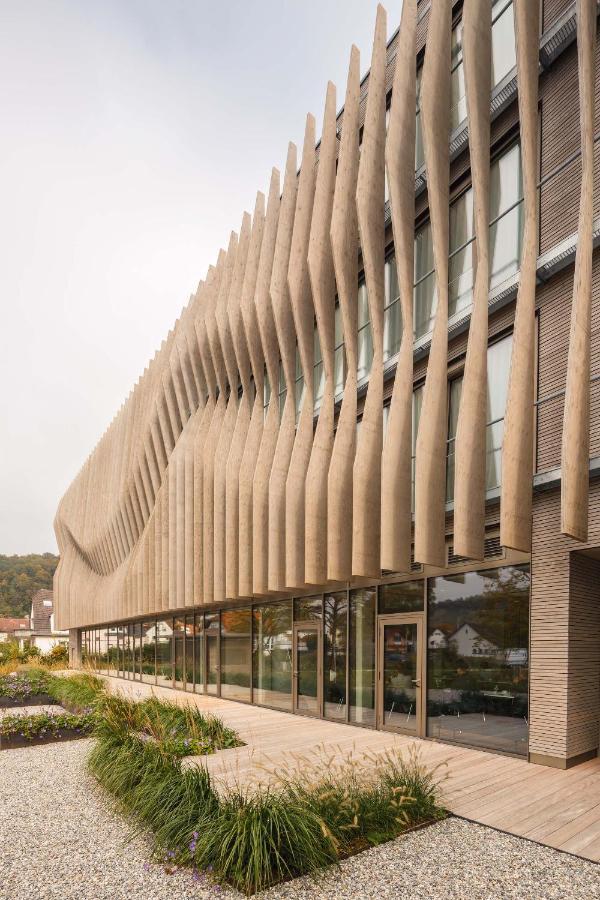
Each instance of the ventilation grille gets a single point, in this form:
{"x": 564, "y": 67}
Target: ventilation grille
{"x": 492, "y": 550}
{"x": 414, "y": 566}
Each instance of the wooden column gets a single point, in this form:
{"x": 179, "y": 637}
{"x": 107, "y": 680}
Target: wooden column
{"x": 430, "y": 468}
{"x": 370, "y": 202}
{"x": 470, "y": 444}
{"x": 322, "y": 280}
{"x": 344, "y": 246}
{"x": 576, "y": 422}
{"x": 517, "y": 447}
{"x": 396, "y": 485}
{"x": 303, "y": 314}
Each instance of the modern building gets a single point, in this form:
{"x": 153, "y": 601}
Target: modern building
{"x": 359, "y": 478}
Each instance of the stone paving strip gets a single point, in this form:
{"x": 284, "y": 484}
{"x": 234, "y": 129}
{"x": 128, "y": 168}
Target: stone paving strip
{"x": 61, "y": 840}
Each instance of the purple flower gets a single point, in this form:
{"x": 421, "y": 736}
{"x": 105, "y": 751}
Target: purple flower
{"x": 195, "y": 835}
{"x": 193, "y": 846}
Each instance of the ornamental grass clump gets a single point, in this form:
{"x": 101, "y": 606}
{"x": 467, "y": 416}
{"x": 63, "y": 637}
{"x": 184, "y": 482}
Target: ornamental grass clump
{"x": 299, "y": 820}
{"x": 77, "y": 691}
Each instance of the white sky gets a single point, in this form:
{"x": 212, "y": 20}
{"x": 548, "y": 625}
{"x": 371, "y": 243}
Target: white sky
{"x": 133, "y": 135}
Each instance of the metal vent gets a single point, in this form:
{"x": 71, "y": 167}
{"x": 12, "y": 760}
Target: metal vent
{"x": 493, "y": 548}
{"x": 454, "y": 559}
{"x": 414, "y": 566}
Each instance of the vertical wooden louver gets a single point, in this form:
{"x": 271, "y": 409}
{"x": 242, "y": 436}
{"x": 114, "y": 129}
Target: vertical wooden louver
{"x": 370, "y": 202}
{"x": 517, "y": 447}
{"x": 430, "y": 465}
{"x": 400, "y": 161}
{"x": 470, "y": 443}
{"x": 576, "y": 424}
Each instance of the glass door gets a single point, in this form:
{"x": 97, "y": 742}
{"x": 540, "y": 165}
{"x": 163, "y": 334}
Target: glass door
{"x": 307, "y": 668}
{"x": 400, "y": 679}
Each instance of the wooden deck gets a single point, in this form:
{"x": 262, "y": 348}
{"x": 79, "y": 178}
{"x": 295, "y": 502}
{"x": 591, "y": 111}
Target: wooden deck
{"x": 558, "y": 808}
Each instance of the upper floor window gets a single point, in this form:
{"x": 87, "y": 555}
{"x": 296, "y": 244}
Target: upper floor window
{"x": 506, "y": 226}
{"x": 419, "y": 149}
{"x": 392, "y": 317}
{"x": 365, "y": 339}
{"x": 299, "y": 382}
{"x": 498, "y": 363}
{"x": 318, "y": 371}
{"x": 339, "y": 356}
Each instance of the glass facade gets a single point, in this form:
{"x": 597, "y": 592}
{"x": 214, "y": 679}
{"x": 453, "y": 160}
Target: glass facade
{"x": 272, "y": 655}
{"x": 318, "y": 655}
{"x": 236, "y": 654}
{"x": 478, "y": 658}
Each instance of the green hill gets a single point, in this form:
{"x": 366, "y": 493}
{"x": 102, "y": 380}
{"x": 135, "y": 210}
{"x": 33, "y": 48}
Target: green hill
{"x": 21, "y": 577}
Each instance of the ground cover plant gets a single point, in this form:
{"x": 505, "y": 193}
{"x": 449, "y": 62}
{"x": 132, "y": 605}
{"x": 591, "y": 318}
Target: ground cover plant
{"x": 25, "y": 686}
{"x": 17, "y": 729}
{"x": 307, "y": 818}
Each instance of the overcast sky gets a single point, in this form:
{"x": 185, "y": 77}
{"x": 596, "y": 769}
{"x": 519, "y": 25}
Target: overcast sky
{"x": 133, "y": 135}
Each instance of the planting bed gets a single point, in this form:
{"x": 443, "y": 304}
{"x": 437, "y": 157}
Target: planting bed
{"x": 22, "y": 730}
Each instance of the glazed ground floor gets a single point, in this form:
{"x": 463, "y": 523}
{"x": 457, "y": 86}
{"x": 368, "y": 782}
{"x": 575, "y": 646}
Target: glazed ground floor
{"x": 444, "y": 657}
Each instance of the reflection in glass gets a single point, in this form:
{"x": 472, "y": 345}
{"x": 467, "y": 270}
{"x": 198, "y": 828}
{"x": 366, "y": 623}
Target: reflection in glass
{"x": 179, "y": 651}
{"x": 272, "y": 655}
{"x": 362, "y": 656}
{"x": 199, "y": 673}
{"x": 164, "y": 636}
{"x": 405, "y": 596}
{"x": 364, "y": 336}
{"x": 425, "y": 297}
{"x": 236, "y": 662}
{"x": 504, "y": 57}
{"x": 478, "y": 659}
{"x": 307, "y": 669}
{"x": 506, "y": 235}
{"x": 400, "y": 672}
{"x": 335, "y": 631}
{"x": 308, "y": 608}
{"x": 211, "y": 636}
{"x": 149, "y": 652}
{"x": 392, "y": 317}
{"x": 189, "y": 654}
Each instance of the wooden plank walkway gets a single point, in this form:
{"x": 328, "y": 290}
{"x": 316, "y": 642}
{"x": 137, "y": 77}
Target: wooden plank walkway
{"x": 557, "y": 808}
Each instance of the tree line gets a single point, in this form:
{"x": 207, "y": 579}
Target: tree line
{"x": 20, "y": 578}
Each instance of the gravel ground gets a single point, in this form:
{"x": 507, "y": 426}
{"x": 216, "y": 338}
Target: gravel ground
{"x": 29, "y": 710}
{"x": 60, "y": 839}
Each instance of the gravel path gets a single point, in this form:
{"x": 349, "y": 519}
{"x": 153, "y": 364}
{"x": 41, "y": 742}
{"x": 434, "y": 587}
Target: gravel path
{"x": 60, "y": 840}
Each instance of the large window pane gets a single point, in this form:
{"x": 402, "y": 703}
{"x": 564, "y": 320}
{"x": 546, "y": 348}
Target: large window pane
{"x": 149, "y": 652}
{"x": 454, "y": 394}
{"x": 478, "y": 658}
{"x": 335, "y": 631}
{"x": 406, "y": 596}
{"x": 417, "y": 403}
{"x": 506, "y": 189}
{"x": 362, "y": 656}
{"x": 211, "y": 637}
{"x": 308, "y": 609}
{"x": 365, "y": 339}
{"x": 425, "y": 298}
{"x": 460, "y": 263}
{"x": 272, "y": 655}
{"x": 179, "y": 651}
{"x": 392, "y": 318}
{"x": 199, "y": 667}
{"x": 189, "y": 654}
{"x": 503, "y": 40}
{"x": 458, "y": 101}
{"x": 498, "y": 368}
{"x": 236, "y": 662}
{"x": 164, "y": 637}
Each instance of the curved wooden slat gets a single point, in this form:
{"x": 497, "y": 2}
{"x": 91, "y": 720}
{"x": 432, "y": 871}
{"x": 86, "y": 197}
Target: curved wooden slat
{"x": 576, "y": 423}
{"x": 470, "y": 443}
{"x": 430, "y": 464}
{"x": 517, "y": 446}
{"x": 396, "y": 480}
{"x": 370, "y": 202}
